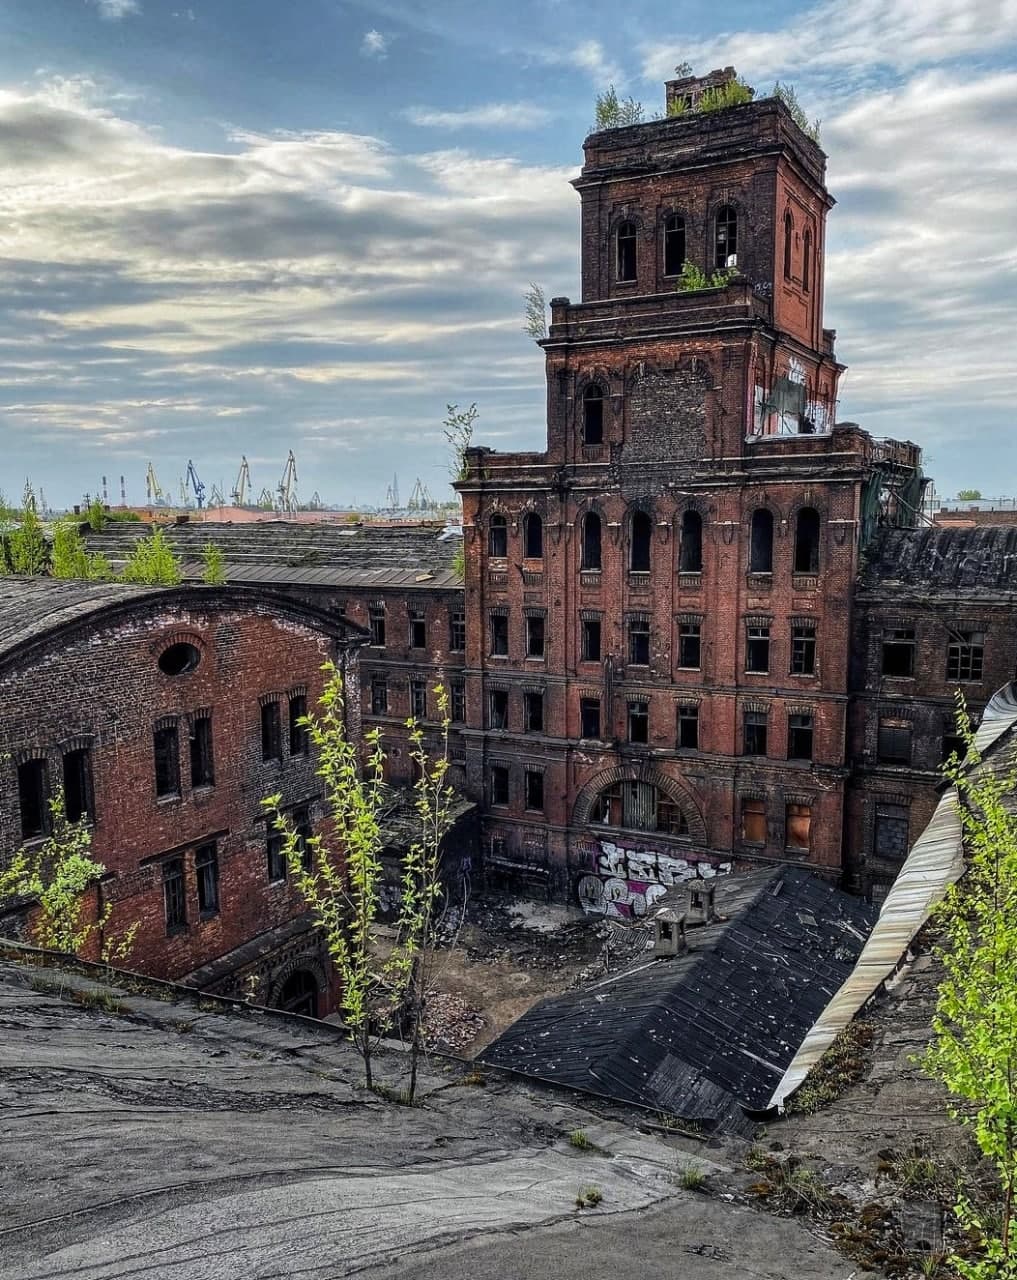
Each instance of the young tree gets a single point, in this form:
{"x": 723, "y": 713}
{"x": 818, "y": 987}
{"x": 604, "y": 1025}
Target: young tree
{"x": 215, "y": 564}
{"x": 974, "y": 1050}
{"x": 27, "y": 552}
{"x": 458, "y": 431}
{"x": 70, "y": 558}
{"x": 535, "y": 323}
{"x": 152, "y": 561}
{"x": 96, "y": 515}
{"x": 612, "y": 111}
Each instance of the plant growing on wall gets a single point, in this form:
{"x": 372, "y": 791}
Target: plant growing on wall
{"x": 787, "y": 95}
{"x": 974, "y": 1050}
{"x": 535, "y": 323}
{"x": 96, "y": 515}
{"x": 27, "y": 552}
{"x": 458, "y": 431}
{"x": 215, "y": 564}
{"x": 692, "y": 278}
{"x": 70, "y": 558}
{"x": 732, "y": 94}
{"x": 152, "y": 561}
{"x": 613, "y": 112}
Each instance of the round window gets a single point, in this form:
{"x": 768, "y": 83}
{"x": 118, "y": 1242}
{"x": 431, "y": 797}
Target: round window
{"x": 178, "y": 659}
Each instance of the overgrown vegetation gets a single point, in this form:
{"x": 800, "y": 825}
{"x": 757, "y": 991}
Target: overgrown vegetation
{"x": 96, "y": 515}
{"x": 458, "y": 431}
{"x": 70, "y": 558}
{"x": 843, "y": 1064}
{"x": 612, "y": 112}
{"x": 214, "y": 570}
{"x": 27, "y": 552}
{"x": 535, "y": 323}
{"x": 579, "y": 1139}
{"x": 589, "y": 1197}
{"x": 792, "y": 1187}
{"x": 732, "y": 94}
{"x": 787, "y": 95}
{"x": 152, "y": 561}
{"x": 692, "y": 278}
{"x": 692, "y": 1177}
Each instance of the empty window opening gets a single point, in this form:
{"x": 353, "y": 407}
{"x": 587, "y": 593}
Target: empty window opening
{"x": 803, "y": 650}
{"x": 754, "y": 725}
{"x": 275, "y": 857}
{"x": 625, "y": 245}
{"x": 499, "y": 784}
{"x": 674, "y": 244}
{"x": 893, "y": 741}
{"x": 639, "y": 642}
{"x": 952, "y": 745}
{"x": 379, "y": 696}
{"x": 639, "y": 806}
{"x": 174, "y": 896}
{"x": 689, "y": 645}
{"x": 535, "y": 635}
{"x": 202, "y": 763}
{"x": 534, "y": 711}
{"x": 690, "y": 558}
{"x": 725, "y": 252}
{"x": 757, "y": 649}
{"x": 639, "y": 722}
{"x": 589, "y": 718}
{"x": 499, "y": 708}
{"x": 761, "y": 542}
{"x": 688, "y": 727}
{"x": 591, "y": 541}
{"x": 33, "y": 796}
{"x": 965, "y": 655}
{"x": 789, "y": 232}
{"x": 457, "y": 707}
{"x": 271, "y": 732}
{"x": 590, "y": 638}
{"x": 806, "y": 260}
{"x": 807, "y": 541}
{"x": 534, "y": 790}
{"x": 206, "y": 869}
{"x": 299, "y": 994}
{"x": 299, "y": 738}
{"x": 304, "y": 832}
{"x": 642, "y": 532}
{"x": 376, "y": 618}
{"x": 890, "y": 832}
{"x": 77, "y": 772}
{"x": 178, "y": 659}
{"x": 754, "y": 821}
{"x": 418, "y": 629}
{"x": 798, "y": 827}
{"x": 418, "y": 699}
{"x": 799, "y": 736}
{"x": 593, "y": 415}
{"x": 499, "y": 635}
{"x": 899, "y": 651}
{"x": 167, "y": 761}
{"x": 457, "y": 631}
{"x": 497, "y": 537}
{"x": 533, "y": 537}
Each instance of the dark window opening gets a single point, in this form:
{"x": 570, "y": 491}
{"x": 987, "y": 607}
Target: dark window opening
{"x": 688, "y": 727}
{"x": 379, "y": 696}
{"x": 271, "y": 732}
{"x": 639, "y": 642}
{"x": 690, "y": 558}
{"x": 789, "y": 231}
{"x": 304, "y": 833}
{"x": 534, "y": 636}
{"x": 499, "y": 635}
{"x": 299, "y": 740}
{"x": 590, "y": 638}
{"x": 534, "y": 711}
{"x": 77, "y": 771}
{"x": 173, "y": 894}
{"x": 167, "y": 761}
{"x": 625, "y": 244}
{"x": 725, "y": 253}
{"x": 498, "y": 699}
{"x": 953, "y": 745}
{"x": 689, "y": 645}
{"x": 806, "y": 260}
{"x": 798, "y": 827}
{"x": 418, "y": 699}
{"x": 497, "y": 537}
{"x": 206, "y": 869}
{"x": 755, "y": 723}
{"x": 639, "y": 722}
{"x": 299, "y": 994}
{"x": 965, "y": 655}
{"x": 754, "y": 821}
{"x": 757, "y": 649}
{"x": 639, "y": 552}
{"x": 803, "y": 650}
{"x": 33, "y": 795}
{"x": 534, "y": 792}
{"x": 593, "y": 415}
{"x": 799, "y": 737}
{"x": 807, "y": 541}
{"x": 639, "y": 806}
{"x": 589, "y": 717}
{"x": 674, "y": 244}
{"x": 533, "y": 537}
{"x": 499, "y": 784}
{"x": 418, "y": 629}
{"x": 761, "y": 542}
{"x": 178, "y": 659}
{"x": 376, "y": 618}
{"x": 591, "y": 541}
{"x": 275, "y": 857}
{"x": 890, "y": 832}
{"x": 893, "y": 742}
{"x": 899, "y": 651}
{"x": 457, "y": 631}
{"x": 202, "y": 761}
{"x": 458, "y": 702}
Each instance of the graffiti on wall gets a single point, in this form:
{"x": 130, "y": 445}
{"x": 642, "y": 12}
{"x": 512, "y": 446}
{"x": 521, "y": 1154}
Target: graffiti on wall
{"x": 627, "y": 882}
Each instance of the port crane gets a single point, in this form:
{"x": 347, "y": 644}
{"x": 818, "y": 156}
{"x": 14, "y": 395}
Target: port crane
{"x": 242, "y": 488}
{"x": 215, "y": 498}
{"x": 196, "y": 485}
{"x": 152, "y": 486}
{"x": 288, "y": 485}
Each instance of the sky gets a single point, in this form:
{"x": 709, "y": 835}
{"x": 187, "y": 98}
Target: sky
{"x": 241, "y": 227}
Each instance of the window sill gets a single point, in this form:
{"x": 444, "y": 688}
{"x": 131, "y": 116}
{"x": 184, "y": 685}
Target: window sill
{"x": 173, "y": 798}
{"x": 175, "y": 930}
{"x": 750, "y": 672}
{"x": 688, "y": 669}
{"x": 208, "y": 915}
{"x": 502, "y": 657}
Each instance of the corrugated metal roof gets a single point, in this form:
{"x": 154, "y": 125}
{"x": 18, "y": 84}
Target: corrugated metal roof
{"x": 934, "y": 863}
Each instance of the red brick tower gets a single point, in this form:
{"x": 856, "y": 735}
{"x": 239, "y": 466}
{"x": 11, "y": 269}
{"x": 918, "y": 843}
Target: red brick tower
{"x": 659, "y": 604}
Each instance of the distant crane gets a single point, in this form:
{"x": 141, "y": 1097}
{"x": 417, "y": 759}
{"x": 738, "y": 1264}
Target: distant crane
{"x": 265, "y": 501}
{"x": 316, "y": 503}
{"x": 152, "y": 486}
{"x": 288, "y": 485}
{"x": 196, "y": 485}
{"x": 392, "y": 493}
{"x": 420, "y": 498}
{"x": 215, "y": 498}
{"x": 242, "y": 488}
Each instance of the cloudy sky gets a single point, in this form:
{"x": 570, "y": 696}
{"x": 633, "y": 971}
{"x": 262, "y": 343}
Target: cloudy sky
{"x": 244, "y": 226}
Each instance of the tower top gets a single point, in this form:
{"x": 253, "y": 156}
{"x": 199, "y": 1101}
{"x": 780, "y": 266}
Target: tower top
{"x": 686, "y": 93}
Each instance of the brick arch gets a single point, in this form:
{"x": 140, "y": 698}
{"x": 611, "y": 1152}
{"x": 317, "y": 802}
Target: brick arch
{"x": 278, "y": 977}
{"x": 166, "y": 640}
{"x": 635, "y": 216}
{"x": 675, "y": 790}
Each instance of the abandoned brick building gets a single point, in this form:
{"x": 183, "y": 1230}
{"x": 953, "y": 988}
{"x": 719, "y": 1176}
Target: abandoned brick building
{"x": 165, "y": 715}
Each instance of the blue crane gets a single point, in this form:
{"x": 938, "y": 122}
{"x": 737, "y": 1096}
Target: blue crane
{"x": 195, "y": 483}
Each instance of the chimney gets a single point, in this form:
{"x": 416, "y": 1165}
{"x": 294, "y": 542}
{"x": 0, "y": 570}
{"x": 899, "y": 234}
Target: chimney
{"x": 668, "y": 932}
{"x": 689, "y": 89}
{"x": 701, "y": 909}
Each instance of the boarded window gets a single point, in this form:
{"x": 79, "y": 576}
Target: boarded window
{"x": 499, "y": 784}
{"x": 965, "y": 655}
{"x": 589, "y": 717}
{"x": 639, "y": 550}
{"x": 206, "y": 869}
{"x": 754, "y": 725}
{"x": 690, "y": 559}
{"x": 689, "y": 645}
{"x": 590, "y": 635}
{"x": 639, "y": 722}
{"x": 754, "y": 821}
{"x": 33, "y": 794}
{"x": 894, "y": 741}
{"x": 533, "y": 537}
{"x": 457, "y": 631}
{"x": 799, "y": 736}
{"x": 803, "y": 650}
{"x": 890, "y": 832}
{"x": 77, "y": 771}
{"x": 534, "y": 711}
{"x": 761, "y": 542}
{"x": 639, "y": 642}
{"x": 299, "y": 740}
{"x": 593, "y": 415}
{"x": 497, "y": 537}
{"x": 591, "y": 541}
{"x": 271, "y": 732}
{"x": 688, "y": 727}
{"x": 173, "y": 895}
{"x": 757, "y": 649}
{"x": 899, "y": 651}
{"x": 674, "y": 244}
{"x": 202, "y": 760}
{"x": 167, "y": 761}
{"x": 798, "y": 827}
{"x": 625, "y": 251}
{"x": 639, "y": 806}
{"x": 807, "y": 541}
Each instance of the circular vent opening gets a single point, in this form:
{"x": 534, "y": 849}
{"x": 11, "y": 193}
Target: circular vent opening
{"x": 178, "y": 659}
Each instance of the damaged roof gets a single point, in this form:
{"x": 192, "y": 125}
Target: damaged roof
{"x": 703, "y": 1034}
{"x": 942, "y": 561}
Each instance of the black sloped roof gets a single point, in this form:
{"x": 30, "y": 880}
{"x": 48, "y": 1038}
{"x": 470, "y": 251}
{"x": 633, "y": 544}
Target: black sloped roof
{"x": 699, "y": 1035}
{"x": 945, "y": 561}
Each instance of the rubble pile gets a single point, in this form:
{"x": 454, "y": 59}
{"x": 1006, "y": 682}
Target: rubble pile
{"x": 451, "y": 1023}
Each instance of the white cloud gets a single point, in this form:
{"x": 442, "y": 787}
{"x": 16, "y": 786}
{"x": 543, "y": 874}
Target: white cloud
{"x": 374, "y": 44}
{"x": 491, "y": 115}
{"x": 589, "y": 56}
{"x": 114, "y": 10}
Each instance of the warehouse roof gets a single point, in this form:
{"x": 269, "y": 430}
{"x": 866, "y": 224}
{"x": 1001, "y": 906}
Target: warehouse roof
{"x": 943, "y": 561}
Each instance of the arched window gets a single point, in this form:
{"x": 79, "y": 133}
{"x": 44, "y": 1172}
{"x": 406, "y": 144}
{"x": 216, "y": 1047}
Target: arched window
{"x": 761, "y": 542}
{"x": 497, "y": 536}
{"x": 625, "y": 245}
{"x": 593, "y": 415}
{"x": 690, "y": 557}
{"x": 300, "y": 994}
{"x": 591, "y": 541}
{"x": 674, "y": 244}
{"x": 639, "y": 551}
{"x": 533, "y": 537}
{"x": 639, "y": 806}
{"x": 806, "y": 260}
{"x": 789, "y": 231}
{"x": 807, "y": 541}
{"x": 726, "y": 241}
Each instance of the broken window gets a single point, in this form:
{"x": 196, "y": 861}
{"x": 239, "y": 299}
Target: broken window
{"x": 534, "y": 790}
{"x": 589, "y": 717}
{"x": 376, "y": 618}
{"x": 639, "y": 806}
{"x": 206, "y": 869}
{"x": 202, "y": 763}
{"x": 379, "y": 696}
{"x": 418, "y": 699}
{"x": 761, "y": 542}
{"x": 625, "y": 245}
{"x": 33, "y": 796}
{"x": 806, "y": 260}
{"x": 807, "y": 541}
{"x": 534, "y": 635}
{"x": 899, "y": 651}
{"x": 275, "y": 857}
{"x": 639, "y": 551}
{"x": 674, "y": 244}
{"x": 458, "y": 701}
{"x": 499, "y": 784}
{"x": 799, "y": 736}
{"x": 890, "y": 832}
{"x": 418, "y": 629}
{"x": 173, "y": 895}
{"x": 803, "y": 649}
{"x": 725, "y": 252}
{"x": 639, "y": 642}
{"x": 798, "y": 827}
{"x": 167, "y": 761}
{"x": 753, "y": 821}
{"x": 689, "y": 645}
{"x": 498, "y": 699}
{"x": 533, "y": 537}
{"x": 639, "y": 722}
{"x": 499, "y": 635}
{"x": 591, "y": 541}
{"x": 789, "y": 231}
{"x": 893, "y": 742}
{"x": 754, "y": 725}
{"x": 299, "y": 741}
{"x": 497, "y": 537}
{"x": 179, "y": 658}
{"x": 688, "y": 726}
{"x": 757, "y": 649}
{"x": 77, "y": 772}
{"x": 534, "y": 711}
{"x": 304, "y": 832}
{"x": 690, "y": 558}
{"x": 952, "y": 745}
{"x": 590, "y": 639}
{"x": 271, "y": 732}
{"x": 593, "y": 415}
{"x": 457, "y": 631}
{"x": 964, "y": 655}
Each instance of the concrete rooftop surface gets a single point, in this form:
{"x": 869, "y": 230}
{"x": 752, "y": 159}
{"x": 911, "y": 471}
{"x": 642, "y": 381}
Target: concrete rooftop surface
{"x": 184, "y": 1137}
